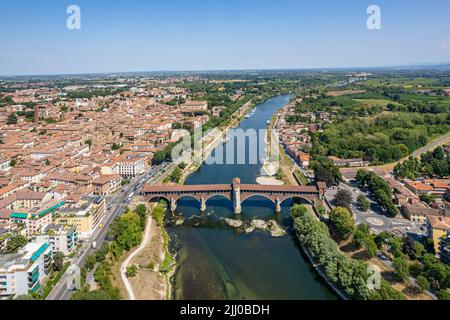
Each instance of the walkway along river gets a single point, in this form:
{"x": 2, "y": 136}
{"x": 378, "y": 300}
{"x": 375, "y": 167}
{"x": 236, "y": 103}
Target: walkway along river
{"x": 216, "y": 261}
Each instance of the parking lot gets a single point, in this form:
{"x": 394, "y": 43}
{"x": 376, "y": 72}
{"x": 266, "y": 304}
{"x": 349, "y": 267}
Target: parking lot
{"x": 374, "y": 217}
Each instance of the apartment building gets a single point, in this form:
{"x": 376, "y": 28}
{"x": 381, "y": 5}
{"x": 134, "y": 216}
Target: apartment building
{"x": 194, "y": 106}
{"x": 130, "y": 167}
{"x": 106, "y": 184}
{"x": 437, "y": 227}
{"x": 418, "y": 213}
{"x": 85, "y": 215}
{"x": 24, "y": 272}
{"x": 444, "y": 249}
{"x": 4, "y": 164}
{"x": 61, "y": 238}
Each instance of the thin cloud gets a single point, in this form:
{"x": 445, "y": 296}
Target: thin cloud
{"x": 445, "y": 44}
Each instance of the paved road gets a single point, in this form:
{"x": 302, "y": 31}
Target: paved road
{"x": 117, "y": 204}
{"x": 123, "y": 267}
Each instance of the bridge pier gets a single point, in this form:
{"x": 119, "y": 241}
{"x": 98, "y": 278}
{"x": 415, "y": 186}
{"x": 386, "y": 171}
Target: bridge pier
{"x": 277, "y": 205}
{"x": 237, "y": 195}
{"x": 173, "y": 204}
{"x": 202, "y": 204}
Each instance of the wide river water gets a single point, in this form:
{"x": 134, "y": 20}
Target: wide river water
{"x": 216, "y": 261}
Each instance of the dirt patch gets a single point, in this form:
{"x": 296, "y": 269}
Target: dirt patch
{"x": 148, "y": 285}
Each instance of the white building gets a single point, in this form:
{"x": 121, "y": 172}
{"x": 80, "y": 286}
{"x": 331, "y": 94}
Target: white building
{"x": 61, "y": 238}
{"x": 129, "y": 168}
{"x": 4, "y": 164}
{"x": 23, "y": 272}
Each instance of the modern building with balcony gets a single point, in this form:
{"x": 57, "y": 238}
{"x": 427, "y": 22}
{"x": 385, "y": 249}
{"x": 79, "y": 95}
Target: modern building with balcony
{"x": 85, "y": 216}
{"x": 23, "y": 272}
{"x": 61, "y": 238}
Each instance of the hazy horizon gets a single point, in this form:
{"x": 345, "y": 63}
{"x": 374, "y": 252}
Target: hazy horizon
{"x": 198, "y": 35}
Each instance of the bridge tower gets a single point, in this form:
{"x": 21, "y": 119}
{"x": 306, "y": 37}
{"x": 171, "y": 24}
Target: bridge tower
{"x": 277, "y": 205}
{"x": 202, "y": 204}
{"x": 236, "y": 196}
{"x": 173, "y": 204}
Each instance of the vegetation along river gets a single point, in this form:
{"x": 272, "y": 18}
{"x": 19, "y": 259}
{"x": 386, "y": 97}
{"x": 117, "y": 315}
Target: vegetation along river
{"x": 216, "y": 261}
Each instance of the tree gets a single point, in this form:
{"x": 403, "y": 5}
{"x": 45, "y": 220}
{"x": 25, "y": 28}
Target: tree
{"x": 363, "y": 239}
{"x": 176, "y": 174}
{"x": 415, "y": 269}
{"x": 427, "y": 198}
{"x": 371, "y": 247}
{"x": 12, "y": 119}
{"x": 326, "y": 172}
{"x": 132, "y": 271}
{"x": 58, "y": 261}
{"x": 343, "y": 199}
{"x": 443, "y": 295}
{"x": 413, "y": 249}
{"x": 401, "y": 267}
{"x": 116, "y": 146}
{"x": 386, "y": 203}
{"x": 25, "y": 297}
{"x": 96, "y": 295}
{"x": 343, "y": 222}
{"x": 141, "y": 210}
{"x": 13, "y": 163}
{"x": 348, "y": 274}
{"x": 361, "y": 234}
{"x": 15, "y": 242}
{"x": 423, "y": 283}
{"x": 363, "y": 202}
{"x": 91, "y": 260}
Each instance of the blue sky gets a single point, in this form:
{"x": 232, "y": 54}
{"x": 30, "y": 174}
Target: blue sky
{"x": 138, "y": 35}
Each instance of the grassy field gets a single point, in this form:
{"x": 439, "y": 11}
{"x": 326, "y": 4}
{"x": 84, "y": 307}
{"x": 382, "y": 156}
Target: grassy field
{"x": 375, "y": 102}
{"x": 400, "y": 82}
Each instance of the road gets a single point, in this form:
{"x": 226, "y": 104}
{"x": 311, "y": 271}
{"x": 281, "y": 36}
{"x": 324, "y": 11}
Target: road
{"x": 116, "y": 205}
{"x": 123, "y": 267}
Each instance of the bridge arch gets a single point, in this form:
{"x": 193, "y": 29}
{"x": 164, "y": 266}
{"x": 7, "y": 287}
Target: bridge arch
{"x": 245, "y": 198}
{"x": 185, "y": 197}
{"x": 155, "y": 198}
{"x": 304, "y": 199}
{"x": 217, "y": 196}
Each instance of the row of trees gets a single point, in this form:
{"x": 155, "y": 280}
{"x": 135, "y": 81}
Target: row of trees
{"x": 380, "y": 189}
{"x": 432, "y": 164}
{"x": 325, "y": 170}
{"x": 349, "y": 275}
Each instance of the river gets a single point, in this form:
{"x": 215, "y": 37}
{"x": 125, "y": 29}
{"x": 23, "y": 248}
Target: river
{"x": 216, "y": 261}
